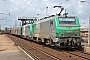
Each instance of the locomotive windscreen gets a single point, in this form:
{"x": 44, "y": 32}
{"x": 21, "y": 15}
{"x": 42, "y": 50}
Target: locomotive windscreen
{"x": 67, "y": 21}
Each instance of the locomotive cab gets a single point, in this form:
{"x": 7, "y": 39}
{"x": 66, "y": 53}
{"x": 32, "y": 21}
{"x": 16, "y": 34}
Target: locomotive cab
{"x": 67, "y": 31}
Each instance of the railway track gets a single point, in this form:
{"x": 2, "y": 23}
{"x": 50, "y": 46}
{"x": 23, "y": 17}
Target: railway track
{"x": 39, "y": 52}
{"x": 33, "y": 51}
{"x": 81, "y": 54}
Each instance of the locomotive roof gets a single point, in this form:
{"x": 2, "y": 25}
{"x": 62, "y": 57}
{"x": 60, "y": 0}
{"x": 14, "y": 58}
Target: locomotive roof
{"x": 53, "y": 16}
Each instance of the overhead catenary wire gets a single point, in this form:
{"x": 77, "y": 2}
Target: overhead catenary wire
{"x": 18, "y": 13}
{"x": 20, "y": 9}
{"x": 62, "y": 6}
{"x": 25, "y": 2}
{"x": 51, "y": 7}
{"x": 8, "y": 13}
{"x": 47, "y": 7}
{"x": 22, "y": 6}
{"x": 27, "y": 6}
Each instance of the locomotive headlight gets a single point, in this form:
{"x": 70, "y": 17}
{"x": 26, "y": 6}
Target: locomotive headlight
{"x": 76, "y": 31}
{"x": 76, "y": 34}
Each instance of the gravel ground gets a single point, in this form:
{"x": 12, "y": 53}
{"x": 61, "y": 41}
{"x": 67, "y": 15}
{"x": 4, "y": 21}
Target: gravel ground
{"x": 8, "y": 51}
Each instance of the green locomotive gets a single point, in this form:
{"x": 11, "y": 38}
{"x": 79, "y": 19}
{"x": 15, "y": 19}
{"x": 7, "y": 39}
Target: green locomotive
{"x": 58, "y": 31}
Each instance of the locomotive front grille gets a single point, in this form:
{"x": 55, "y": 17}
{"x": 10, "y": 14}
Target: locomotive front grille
{"x": 69, "y": 34}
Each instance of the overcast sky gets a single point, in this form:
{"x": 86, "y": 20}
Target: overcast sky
{"x": 30, "y": 8}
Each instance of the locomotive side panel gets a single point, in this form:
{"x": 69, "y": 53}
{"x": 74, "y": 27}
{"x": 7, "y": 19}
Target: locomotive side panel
{"x": 23, "y": 31}
{"x": 37, "y": 32}
{"x": 27, "y": 30}
{"x": 31, "y": 30}
{"x": 19, "y": 31}
{"x": 44, "y": 29}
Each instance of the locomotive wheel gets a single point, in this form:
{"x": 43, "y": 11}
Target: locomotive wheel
{"x": 79, "y": 43}
{"x": 42, "y": 39}
{"x": 67, "y": 43}
{"x": 72, "y": 43}
{"x": 50, "y": 41}
{"x": 37, "y": 39}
